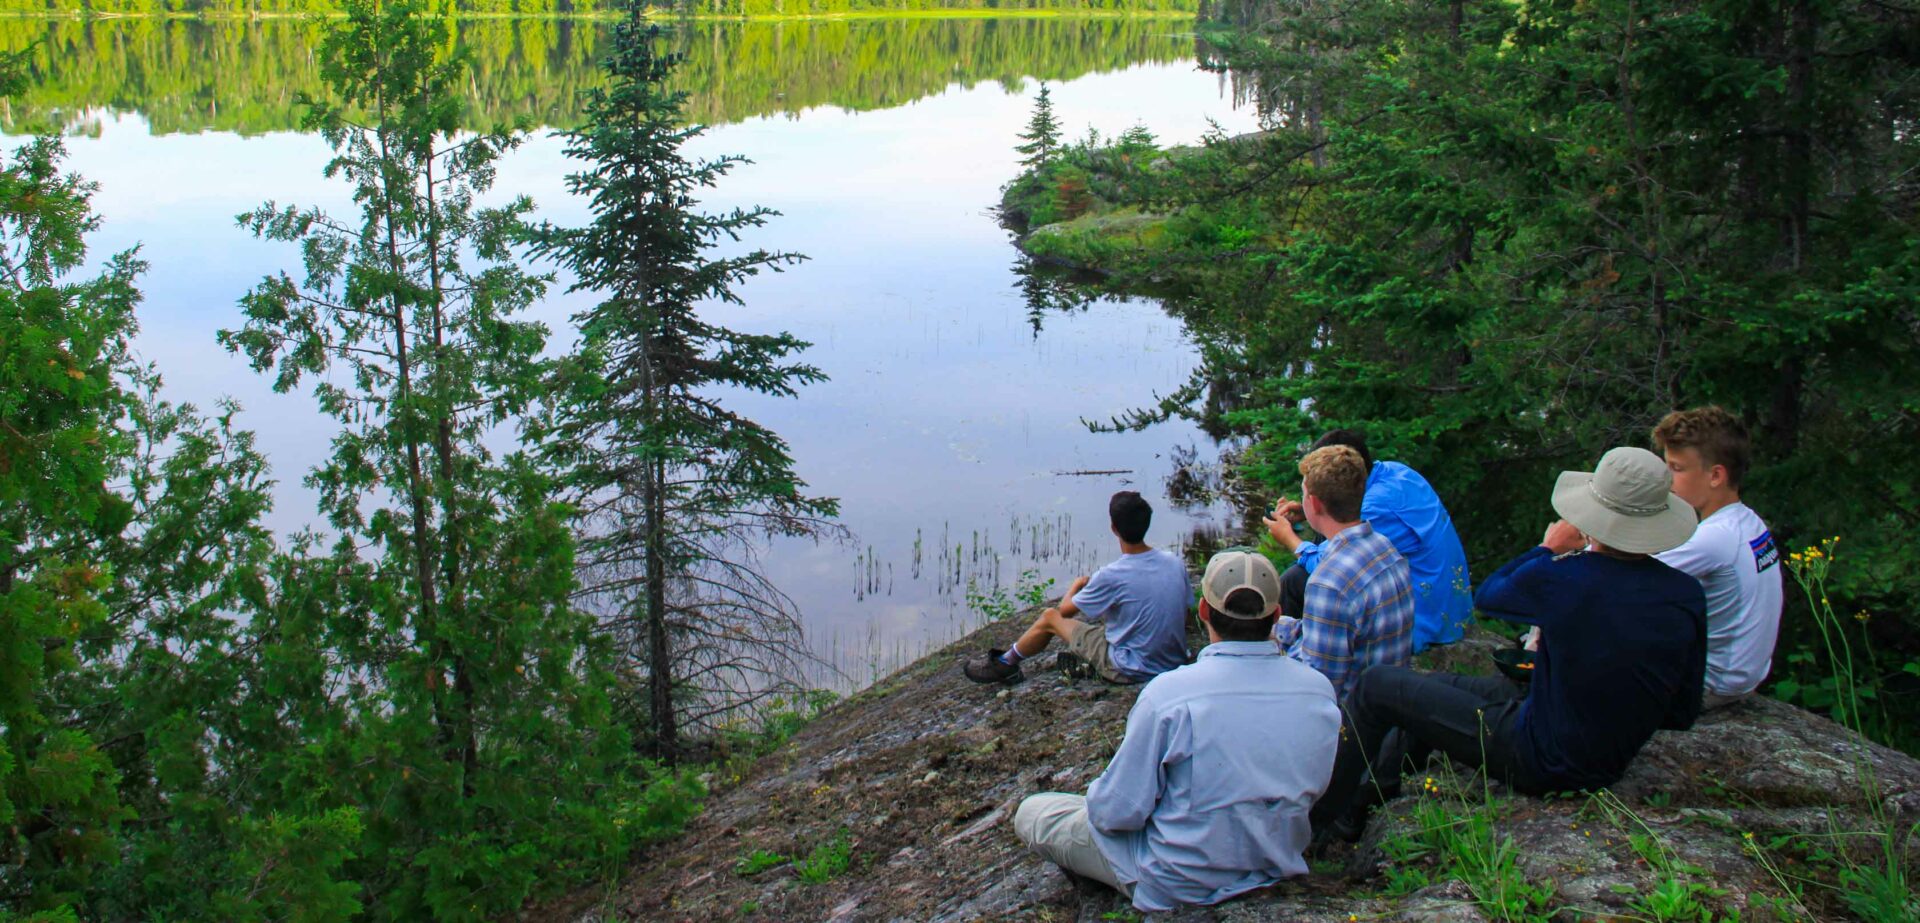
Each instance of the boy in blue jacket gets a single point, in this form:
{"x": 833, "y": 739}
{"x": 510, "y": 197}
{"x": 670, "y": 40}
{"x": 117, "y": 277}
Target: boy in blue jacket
{"x": 1400, "y": 505}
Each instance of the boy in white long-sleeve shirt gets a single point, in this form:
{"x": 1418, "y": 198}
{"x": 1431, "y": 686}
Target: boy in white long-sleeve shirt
{"x": 1732, "y": 553}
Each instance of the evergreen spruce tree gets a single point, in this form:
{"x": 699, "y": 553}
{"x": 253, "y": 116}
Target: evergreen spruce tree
{"x": 477, "y": 724}
{"x": 1042, "y": 136}
{"x": 672, "y": 486}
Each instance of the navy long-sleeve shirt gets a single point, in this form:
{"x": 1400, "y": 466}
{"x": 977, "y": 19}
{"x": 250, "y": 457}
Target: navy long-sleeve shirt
{"x": 1623, "y": 653}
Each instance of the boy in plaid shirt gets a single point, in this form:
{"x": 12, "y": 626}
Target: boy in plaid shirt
{"x": 1359, "y": 601}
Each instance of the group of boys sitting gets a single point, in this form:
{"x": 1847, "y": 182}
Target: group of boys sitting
{"x": 1655, "y": 596}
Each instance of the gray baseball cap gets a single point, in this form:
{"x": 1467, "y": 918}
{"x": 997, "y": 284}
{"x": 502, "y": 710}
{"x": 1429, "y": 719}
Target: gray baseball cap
{"x": 1233, "y": 569}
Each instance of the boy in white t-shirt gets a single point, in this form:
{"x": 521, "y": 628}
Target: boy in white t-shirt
{"x": 1731, "y": 553}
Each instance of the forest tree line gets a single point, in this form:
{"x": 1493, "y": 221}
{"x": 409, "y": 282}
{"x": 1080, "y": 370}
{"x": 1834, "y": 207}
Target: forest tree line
{"x": 1501, "y": 238}
{"x": 727, "y": 8}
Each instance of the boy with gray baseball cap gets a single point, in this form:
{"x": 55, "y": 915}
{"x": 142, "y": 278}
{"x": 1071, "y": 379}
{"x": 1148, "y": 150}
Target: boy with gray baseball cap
{"x": 1264, "y": 726}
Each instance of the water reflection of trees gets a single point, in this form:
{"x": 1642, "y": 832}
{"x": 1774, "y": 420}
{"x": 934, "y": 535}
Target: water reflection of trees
{"x": 1201, "y": 483}
{"x": 246, "y": 76}
{"x": 1223, "y": 507}
{"x": 1049, "y": 290}
{"x": 1278, "y": 58}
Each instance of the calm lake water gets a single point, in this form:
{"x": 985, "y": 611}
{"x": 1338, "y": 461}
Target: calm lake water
{"x": 952, "y": 427}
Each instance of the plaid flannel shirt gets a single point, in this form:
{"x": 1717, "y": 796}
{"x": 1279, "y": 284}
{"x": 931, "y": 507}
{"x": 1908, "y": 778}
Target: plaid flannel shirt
{"x": 1358, "y": 611}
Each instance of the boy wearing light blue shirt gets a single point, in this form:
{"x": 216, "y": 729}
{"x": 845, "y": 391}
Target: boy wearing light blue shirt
{"x": 1134, "y": 611}
{"x": 1209, "y": 794}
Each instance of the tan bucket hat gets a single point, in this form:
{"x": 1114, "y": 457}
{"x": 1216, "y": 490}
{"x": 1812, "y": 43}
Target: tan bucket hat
{"x": 1627, "y": 503}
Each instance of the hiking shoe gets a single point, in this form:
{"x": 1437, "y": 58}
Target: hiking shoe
{"x": 1074, "y": 667}
{"x": 1084, "y": 887}
{"x": 1341, "y": 830}
{"x": 989, "y": 668}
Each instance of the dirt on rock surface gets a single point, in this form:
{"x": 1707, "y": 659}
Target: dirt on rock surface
{"x": 896, "y": 805}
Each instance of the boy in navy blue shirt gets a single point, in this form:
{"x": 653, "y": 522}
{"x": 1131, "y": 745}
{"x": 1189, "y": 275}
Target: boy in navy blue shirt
{"x": 1622, "y": 654}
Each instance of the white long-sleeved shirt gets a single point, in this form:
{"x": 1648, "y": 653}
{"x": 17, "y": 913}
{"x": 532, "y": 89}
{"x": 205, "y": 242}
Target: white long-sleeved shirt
{"x": 1209, "y": 793}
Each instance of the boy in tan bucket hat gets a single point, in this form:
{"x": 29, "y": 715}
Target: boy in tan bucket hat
{"x": 1622, "y": 649}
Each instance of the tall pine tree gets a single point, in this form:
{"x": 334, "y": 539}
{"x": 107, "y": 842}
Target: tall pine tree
{"x": 1042, "y": 136}
{"x": 674, "y": 488}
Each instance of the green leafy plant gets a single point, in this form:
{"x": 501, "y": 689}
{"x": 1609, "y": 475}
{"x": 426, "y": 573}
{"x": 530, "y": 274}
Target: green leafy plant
{"x": 826, "y": 861}
{"x": 996, "y": 602}
{"x": 1031, "y": 590}
{"x": 1461, "y": 836}
{"x": 991, "y": 604}
{"x": 1678, "y": 894}
{"x": 757, "y": 861}
{"x": 1404, "y": 869}
{"x": 1872, "y": 879}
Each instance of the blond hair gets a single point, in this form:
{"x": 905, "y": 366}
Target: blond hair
{"x": 1337, "y": 476}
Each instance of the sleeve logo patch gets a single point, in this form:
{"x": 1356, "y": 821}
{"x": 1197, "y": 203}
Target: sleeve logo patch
{"x": 1765, "y": 554}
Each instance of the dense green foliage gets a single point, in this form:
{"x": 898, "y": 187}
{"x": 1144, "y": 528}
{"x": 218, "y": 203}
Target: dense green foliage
{"x": 732, "y": 8}
{"x": 539, "y": 68}
{"x": 408, "y": 716}
{"x": 670, "y": 482}
{"x": 1501, "y": 238}
{"x": 1085, "y": 178}
{"x": 146, "y": 728}
{"x": 447, "y": 593}
{"x": 64, "y": 342}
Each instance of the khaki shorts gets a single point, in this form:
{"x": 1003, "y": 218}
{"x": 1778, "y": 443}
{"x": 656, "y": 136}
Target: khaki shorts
{"x": 1055, "y": 827}
{"x": 1089, "y": 643}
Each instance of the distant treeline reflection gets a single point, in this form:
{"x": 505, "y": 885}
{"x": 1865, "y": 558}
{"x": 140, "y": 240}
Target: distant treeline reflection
{"x": 188, "y": 75}
{"x": 773, "y": 8}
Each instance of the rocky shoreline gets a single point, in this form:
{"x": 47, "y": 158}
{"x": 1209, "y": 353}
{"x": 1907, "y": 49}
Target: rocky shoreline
{"x": 894, "y": 805}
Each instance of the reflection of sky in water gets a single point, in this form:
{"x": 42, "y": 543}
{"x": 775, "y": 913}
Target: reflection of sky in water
{"x": 946, "y": 419}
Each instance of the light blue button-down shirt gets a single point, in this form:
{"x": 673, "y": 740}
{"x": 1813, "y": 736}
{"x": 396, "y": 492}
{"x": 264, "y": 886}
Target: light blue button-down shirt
{"x": 1402, "y": 506}
{"x": 1209, "y": 793}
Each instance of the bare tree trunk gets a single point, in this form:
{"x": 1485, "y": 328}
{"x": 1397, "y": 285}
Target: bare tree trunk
{"x": 452, "y": 548}
{"x": 653, "y": 504}
{"x": 1783, "y": 417}
{"x": 417, "y": 492}
{"x": 659, "y": 648}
